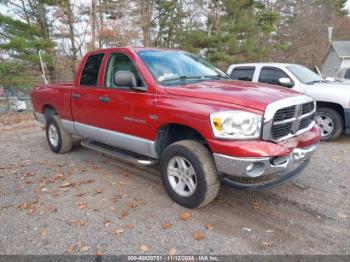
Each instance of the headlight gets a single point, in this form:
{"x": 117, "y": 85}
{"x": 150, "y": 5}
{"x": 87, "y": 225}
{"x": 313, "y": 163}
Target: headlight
{"x": 236, "y": 125}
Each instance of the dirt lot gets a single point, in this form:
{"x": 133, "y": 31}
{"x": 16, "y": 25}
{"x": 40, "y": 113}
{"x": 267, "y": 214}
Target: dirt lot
{"x": 86, "y": 203}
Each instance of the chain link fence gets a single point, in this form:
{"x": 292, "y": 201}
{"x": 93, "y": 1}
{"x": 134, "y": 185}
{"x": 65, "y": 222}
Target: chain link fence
{"x": 15, "y": 93}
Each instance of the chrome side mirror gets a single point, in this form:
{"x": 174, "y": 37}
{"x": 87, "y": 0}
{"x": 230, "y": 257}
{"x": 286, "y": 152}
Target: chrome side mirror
{"x": 286, "y": 82}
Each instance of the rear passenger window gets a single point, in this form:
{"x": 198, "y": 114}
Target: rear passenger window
{"x": 271, "y": 75}
{"x": 243, "y": 73}
{"x": 89, "y": 76}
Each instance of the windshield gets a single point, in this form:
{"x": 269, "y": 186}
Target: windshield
{"x": 169, "y": 67}
{"x": 305, "y": 75}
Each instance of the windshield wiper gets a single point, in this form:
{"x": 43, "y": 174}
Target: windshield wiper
{"x": 216, "y": 77}
{"x": 315, "y": 81}
{"x": 184, "y": 78}
{"x": 181, "y": 78}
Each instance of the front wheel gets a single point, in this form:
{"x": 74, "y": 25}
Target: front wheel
{"x": 189, "y": 174}
{"x": 330, "y": 123}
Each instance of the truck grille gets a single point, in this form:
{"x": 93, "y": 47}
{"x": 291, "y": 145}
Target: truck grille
{"x": 292, "y": 119}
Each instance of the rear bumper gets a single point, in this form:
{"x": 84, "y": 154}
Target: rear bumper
{"x": 40, "y": 117}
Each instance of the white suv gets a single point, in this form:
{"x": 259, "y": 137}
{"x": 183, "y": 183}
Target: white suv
{"x": 333, "y": 98}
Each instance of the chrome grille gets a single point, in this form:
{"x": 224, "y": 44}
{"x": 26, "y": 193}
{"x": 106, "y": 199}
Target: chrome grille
{"x": 284, "y": 113}
{"x": 288, "y": 117}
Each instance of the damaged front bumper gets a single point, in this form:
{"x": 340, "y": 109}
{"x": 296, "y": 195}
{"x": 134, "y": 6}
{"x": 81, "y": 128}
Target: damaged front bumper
{"x": 262, "y": 172}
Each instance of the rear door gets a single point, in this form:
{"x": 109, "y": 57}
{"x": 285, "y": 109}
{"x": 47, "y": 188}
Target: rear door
{"x": 85, "y": 104}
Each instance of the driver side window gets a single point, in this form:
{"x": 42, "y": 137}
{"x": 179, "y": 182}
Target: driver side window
{"x": 271, "y": 75}
{"x": 119, "y": 62}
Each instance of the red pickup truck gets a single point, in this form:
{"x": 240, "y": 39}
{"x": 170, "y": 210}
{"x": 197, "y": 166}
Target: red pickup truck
{"x": 174, "y": 109}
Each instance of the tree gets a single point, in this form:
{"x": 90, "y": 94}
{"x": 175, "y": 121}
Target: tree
{"x": 29, "y": 32}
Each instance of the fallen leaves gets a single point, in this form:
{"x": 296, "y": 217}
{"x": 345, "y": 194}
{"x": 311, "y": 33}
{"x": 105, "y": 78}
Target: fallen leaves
{"x": 81, "y": 194}
{"x": 185, "y": 216}
{"x": 209, "y": 227}
{"x": 70, "y": 249}
{"x": 67, "y": 184}
{"x": 172, "y": 252}
{"x": 51, "y": 209}
{"x": 99, "y": 190}
{"x": 130, "y": 226}
{"x": 80, "y": 223}
{"x": 167, "y": 226}
{"x": 144, "y": 248}
{"x": 132, "y": 205}
{"x": 82, "y": 247}
{"x": 89, "y": 181}
{"x": 342, "y": 215}
{"x": 255, "y": 205}
{"x": 82, "y": 205}
{"x": 31, "y": 207}
{"x": 99, "y": 253}
{"x": 107, "y": 223}
{"x": 124, "y": 214}
{"x": 118, "y": 231}
{"x": 198, "y": 236}
{"x": 266, "y": 244}
{"x": 44, "y": 232}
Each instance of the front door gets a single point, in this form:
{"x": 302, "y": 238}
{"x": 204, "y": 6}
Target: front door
{"x": 125, "y": 110}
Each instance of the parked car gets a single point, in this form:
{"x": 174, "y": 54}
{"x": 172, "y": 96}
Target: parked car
{"x": 17, "y": 105}
{"x": 174, "y": 109}
{"x": 333, "y": 99}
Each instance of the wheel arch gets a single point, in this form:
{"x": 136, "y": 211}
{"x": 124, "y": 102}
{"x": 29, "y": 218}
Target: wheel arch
{"x": 171, "y": 133}
{"x": 48, "y": 109}
{"x": 337, "y": 107}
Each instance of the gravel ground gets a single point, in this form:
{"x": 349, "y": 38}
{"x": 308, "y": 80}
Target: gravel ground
{"x": 87, "y": 203}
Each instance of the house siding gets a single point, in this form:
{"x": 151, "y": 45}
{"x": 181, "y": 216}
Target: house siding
{"x": 332, "y": 64}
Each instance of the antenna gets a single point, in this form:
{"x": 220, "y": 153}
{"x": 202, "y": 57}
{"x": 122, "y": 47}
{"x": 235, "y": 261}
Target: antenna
{"x": 42, "y": 67}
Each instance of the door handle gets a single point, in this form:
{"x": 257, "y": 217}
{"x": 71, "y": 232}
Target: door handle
{"x": 76, "y": 96}
{"x": 104, "y": 99}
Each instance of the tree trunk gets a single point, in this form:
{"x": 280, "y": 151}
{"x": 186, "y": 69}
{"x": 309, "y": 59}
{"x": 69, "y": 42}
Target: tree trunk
{"x": 146, "y": 7}
{"x": 93, "y": 26}
{"x": 70, "y": 17}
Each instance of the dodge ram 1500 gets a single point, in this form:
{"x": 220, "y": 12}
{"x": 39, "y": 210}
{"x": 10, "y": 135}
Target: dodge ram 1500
{"x": 175, "y": 110}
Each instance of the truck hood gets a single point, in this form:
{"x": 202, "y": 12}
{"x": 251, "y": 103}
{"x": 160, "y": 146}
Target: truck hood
{"x": 247, "y": 94}
{"x": 332, "y": 86}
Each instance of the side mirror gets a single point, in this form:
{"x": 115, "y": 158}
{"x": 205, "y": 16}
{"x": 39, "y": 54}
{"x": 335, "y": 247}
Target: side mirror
{"x": 127, "y": 79}
{"x": 286, "y": 82}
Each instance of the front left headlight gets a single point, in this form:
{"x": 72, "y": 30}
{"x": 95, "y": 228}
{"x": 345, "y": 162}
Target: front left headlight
{"x": 236, "y": 125}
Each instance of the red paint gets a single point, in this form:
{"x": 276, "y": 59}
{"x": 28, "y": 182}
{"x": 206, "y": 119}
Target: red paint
{"x": 188, "y": 105}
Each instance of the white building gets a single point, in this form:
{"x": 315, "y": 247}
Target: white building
{"x": 337, "y": 60}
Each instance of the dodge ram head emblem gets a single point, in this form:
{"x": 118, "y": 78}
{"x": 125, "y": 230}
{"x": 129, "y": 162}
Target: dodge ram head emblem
{"x": 297, "y": 116}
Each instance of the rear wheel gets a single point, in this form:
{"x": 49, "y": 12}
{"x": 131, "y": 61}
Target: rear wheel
{"x": 330, "y": 123}
{"x": 189, "y": 174}
{"x": 58, "y": 139}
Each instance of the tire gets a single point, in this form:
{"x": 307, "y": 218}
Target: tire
{"x": 330, "y": 122}
{"x": 198, "y": 157}
{"x": 63, "y": 142}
